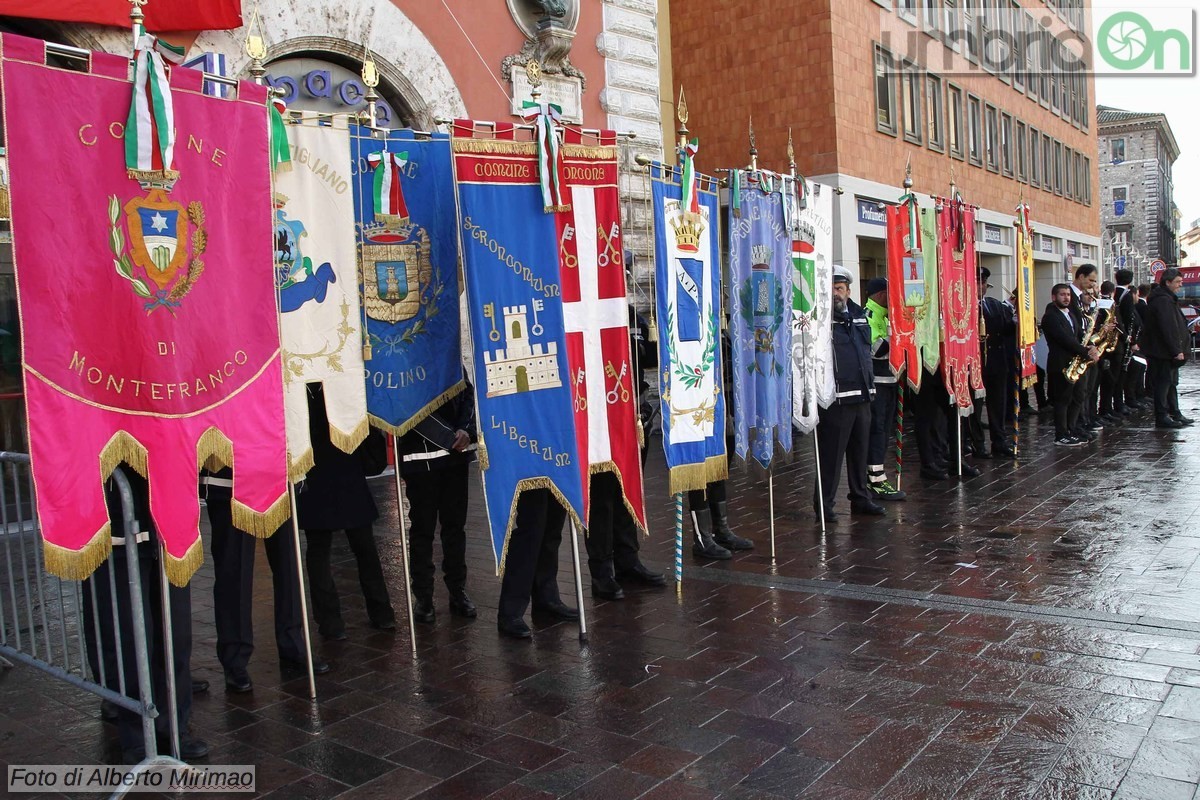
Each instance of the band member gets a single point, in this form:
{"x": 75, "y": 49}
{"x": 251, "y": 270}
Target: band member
{"x": 883, "y": 407}
{"x": 435, "y": 459}
{"x": 1166, "y": 342}
{"x": 1063, "y": 329}
{"x": 1111, "y": 366}
{"x": 1130, "y": 320}
{"x": 531, "y": 565}
{"x": 996, "y": 331}
{"x": 844, "y": 429}
{"x": 1084, "y": 291}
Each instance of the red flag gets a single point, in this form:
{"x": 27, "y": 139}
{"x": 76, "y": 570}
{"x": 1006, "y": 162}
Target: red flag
{"x": 902, "y": 259}
{"x": 162, "y": 16}
{"x": 961, "y": 367}
{"x": 596, "y": 315}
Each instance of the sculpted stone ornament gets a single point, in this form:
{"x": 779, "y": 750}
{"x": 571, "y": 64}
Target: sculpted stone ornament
{"x": 552, "y": 8}
{"x": 549, "y": 28}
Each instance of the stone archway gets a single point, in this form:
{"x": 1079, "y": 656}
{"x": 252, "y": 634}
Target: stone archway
{"x": 406, "y": 59}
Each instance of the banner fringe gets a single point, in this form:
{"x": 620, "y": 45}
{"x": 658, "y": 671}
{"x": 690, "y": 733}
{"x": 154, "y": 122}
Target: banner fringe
{"x": 347, "y": 442}
{"x": 180, "y": 570}
{"x": 602, "y": 152}
{"x": 122, "y": 448}
{"x": 261, "y": 524}
{"x": 214, "y": 448}
{"x": 493, "y": 147}
{"x": 419, "y": 417}
{"x": 687, "y": 477}
{"x": 153, "y": 175}
{"x": 522, "y": 486}
{"x": 299, "y": 467}
{"x": 611, "y": 466}
{"x": 392, "y": 220}
{"x": 75, "y": 565}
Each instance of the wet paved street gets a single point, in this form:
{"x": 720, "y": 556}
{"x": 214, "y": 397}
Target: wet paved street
{"x": 1033, "y": 632}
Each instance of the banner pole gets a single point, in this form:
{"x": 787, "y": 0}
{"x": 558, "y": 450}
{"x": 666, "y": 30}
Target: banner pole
{"x": 958, "y": 435}
{"x": 404, "y": 551}
{"x": 578, "y": 582}
{"x": 899, "y": 431}
{"x": 308, "y": 658}
{"x": 820, "y": 489}
{"x": 1017, "y": 405}
{"x": 771, "y": 507}
{"x": 679, "y": 543}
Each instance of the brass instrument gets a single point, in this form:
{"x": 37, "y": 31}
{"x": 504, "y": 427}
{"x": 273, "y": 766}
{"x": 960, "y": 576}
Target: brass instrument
{"x": 1104, "y": 340}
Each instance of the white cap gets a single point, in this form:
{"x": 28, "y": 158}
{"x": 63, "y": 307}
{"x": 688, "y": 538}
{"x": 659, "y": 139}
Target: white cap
{"x": 842, "y": 274}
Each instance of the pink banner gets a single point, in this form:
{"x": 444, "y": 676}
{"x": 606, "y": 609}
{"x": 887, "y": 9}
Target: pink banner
{"x": 148, "y": 315}
{"x": 961, "y": 365}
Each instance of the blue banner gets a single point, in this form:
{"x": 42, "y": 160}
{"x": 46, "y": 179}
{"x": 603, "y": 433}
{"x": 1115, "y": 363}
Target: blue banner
{"x": 409, "y": 282}
{"x": 760, "y": 331}
{"x": 510, "y": 254}
{"x": 688, "y": 295}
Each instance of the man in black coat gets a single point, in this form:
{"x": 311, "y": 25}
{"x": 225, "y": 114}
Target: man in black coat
{"x": 531, "y": 565}
{"x": 1063, "y": 329}
{"x": 1165, "y": 342}
{"x": 335, "y": 496}
{"x": 994, "y": 349}
{"x": 435, "y": 460}
{"x": 844, "y": 429}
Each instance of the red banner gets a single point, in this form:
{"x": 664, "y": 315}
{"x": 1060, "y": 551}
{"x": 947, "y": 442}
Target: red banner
{"x": 162, "y": 16}
{"x": 905, "y": 264}
{"x": 148, "y": 314}
{"x": 596, "y": 314}
{"x": 961, "y": 367}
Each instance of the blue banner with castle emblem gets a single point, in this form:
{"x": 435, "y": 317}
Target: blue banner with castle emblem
{"x": 510, "y": 255}
{"x": 760, "y": 331}
{"x": 688, "y": 292}
{"x": 409, "y": 278}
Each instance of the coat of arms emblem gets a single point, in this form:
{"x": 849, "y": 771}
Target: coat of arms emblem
{"x": 165, "y": 245}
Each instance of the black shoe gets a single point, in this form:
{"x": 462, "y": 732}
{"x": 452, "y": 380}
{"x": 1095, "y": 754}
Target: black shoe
{"x": 830, "y": 515}
{"x": 1167, "y": 422}
{"x": 423, "y": 611}
{"x": 557, "y": 609}
{"x": 238, "y": 683}
{"x": 333, "y": 634}
{"x": 607, "y": 588}
{"x": 513, "y": 628}
{"x": 297, "y": 665}
{"x": 1002, "y": 452}
{"x": 640, "y": 574}
{"x": 969, "y": 471}
{"x": 1182, "y": 420}
{"x": 722, "y": 534}
{"x": 703, "y": 544}
{"x": 934, "y": 474}
{"x": 190, "y": 749}
{"x": 385, "y": 625}
{"x": 867, "y": 507}
{"x": 1070, "y": 441}
{"x": 883, "y": 490}
{"x": 199, "y": 686}
{"x": 979, "y": 453}
{"x": 461, "y": 605}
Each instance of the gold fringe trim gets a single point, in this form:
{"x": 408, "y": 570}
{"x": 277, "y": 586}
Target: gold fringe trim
{"x": 349, "y": 442}
{"x": 641, "y": 433}
{"x": 299, "y": 467}
{"x": 153, "y": 175}
{"x": 481, "y": 455}
{"x": 180, "y": 570}
{"x": 417, "y": 418}
{"x": 392, "y": 220}
{"x": 261, "y": 524}
{"x": 122, "y": 447}
{"x": 75, "y": 565}
{"x": 283, "y": 166}
{"x": 611, "y": 466}
{"x": 687, "y": 477}
{"x": 1028, "y": 381}
{"x": 5, "y": 203}
{"x": 503, "y": 147}
{"x": 525, "y": 485}
{"x": 604, "y": 151}
{"x": 214, "y": 449}
{"x": 556, "y": 209}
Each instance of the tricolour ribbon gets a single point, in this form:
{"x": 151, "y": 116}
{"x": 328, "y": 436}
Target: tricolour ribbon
{"x": 281, "y": 151}
{"x": 914, "y": 227}
{"x": 150, "y": 129}
{"x": 545, "y": 118}
{"x": 386, "y": 191}
{"x": 690, "y": 199}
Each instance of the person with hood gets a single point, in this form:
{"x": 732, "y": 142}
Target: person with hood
{"x": 883, "y": 407}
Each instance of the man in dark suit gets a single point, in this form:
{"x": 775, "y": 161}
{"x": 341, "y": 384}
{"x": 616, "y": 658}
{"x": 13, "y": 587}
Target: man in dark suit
{"x": 998, "y": 329}
{"x": 1063, "y": 329}
{"x": 531, "y": 565}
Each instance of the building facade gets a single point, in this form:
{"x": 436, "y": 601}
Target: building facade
{"x": 868, "y": 86}
{"x": 1137, "y": 151}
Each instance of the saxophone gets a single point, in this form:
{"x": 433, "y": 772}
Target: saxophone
{"x": 1104, "y": 340}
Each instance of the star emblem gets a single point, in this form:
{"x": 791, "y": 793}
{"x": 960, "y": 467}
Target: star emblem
{"x": 158, "y": 222}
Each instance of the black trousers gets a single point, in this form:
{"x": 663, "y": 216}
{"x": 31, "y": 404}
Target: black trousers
{"x": 931, "y": 422}
{"x": 129, "y": 724}
{"x": 1112, "y": 382}
{"x": 1091, "y": 395}
{"x": 233, "y": 589}
{"x": 997, "y": 403}
{"x": 612, "y": 538}
{"x": 326, "y": 606}
{"x": 843, "y": 433}
{"x": 1135, "y": 382}
{"x": 708, "y": 497}
{"x": 438, "y": 496}
{"x": 1041, "y": 390}
{"x": 883, "y": 421}
{"x": 1068, "y": 402}
{"x": 1162, "y": 378}
{"x": 531, "y": 567}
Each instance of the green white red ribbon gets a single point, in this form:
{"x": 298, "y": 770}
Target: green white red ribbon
{"x": 914, "y": 227}
{"x": 545, "y": 118}
{"x": 690, "y": 197}
{"x": 386, "y": 191}
{"x": 281, "y": 151}
{"x": 1023, "y": 220}
{"x": 150, "y": 129}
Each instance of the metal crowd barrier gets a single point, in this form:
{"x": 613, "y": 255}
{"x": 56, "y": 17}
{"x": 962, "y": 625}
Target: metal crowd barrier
{"x": 44, "y": 623}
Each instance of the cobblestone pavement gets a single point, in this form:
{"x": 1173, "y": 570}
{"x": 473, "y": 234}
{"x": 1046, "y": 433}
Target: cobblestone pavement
{"x": 1033, "y": 632}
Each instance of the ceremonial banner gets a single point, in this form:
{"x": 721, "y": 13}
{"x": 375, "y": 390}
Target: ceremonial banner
{"x": 596, "y": 313}
{"x": 688, "y": 299}
{"x": 316, "y": 270}
{"x": 760, "y": 295}
{"x": 961, "y": 367}
{"x": 148, "y": 313}
{"x": 161, "y": 15}
{"x": 906, "y": 288}
{"x": 812, "y": 290}
{"x": 1027, "y": 332}
{"x": 928, "y": 316}
{"x": 511, "y": 252}
{"x": 408, "y": 251}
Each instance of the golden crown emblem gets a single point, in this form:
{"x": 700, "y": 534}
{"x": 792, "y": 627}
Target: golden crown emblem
{"x": 687, "y": 233}
{"x": 760, "y": 254}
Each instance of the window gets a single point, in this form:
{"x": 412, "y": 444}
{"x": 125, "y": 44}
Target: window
{"x": 1080, "y": 183}
{"x": 1022, "y": 140}
{"x": 1084, "y": 105}
{"x": 910, "y": 92}
{"x": 907, "y": 10}
{"x": 1120, "y": 194}
{"x": 935, "y": 118}
{"x": 1035, "y": 159}
{"x": 974, "y": 130}
{"x": 1116, "y": 149}
{"x": 1017, "y": 54}
{"x": 1087, "y": 180}
{"x": 933, "y": 16}
{"x": 955, "y": 127}
{"x": 1033, "y": 44}
{"x": 885, "y": 93}
{"x": 1047, "y": 163}
{"x": 950, "y": 23}
{"x": 992, "y": 139}
{"x": 1058, "y": 168}
{"x": 1006, "y": 144}
{"x": 1068, "y": 182}
{"x": 970, "y": 28}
